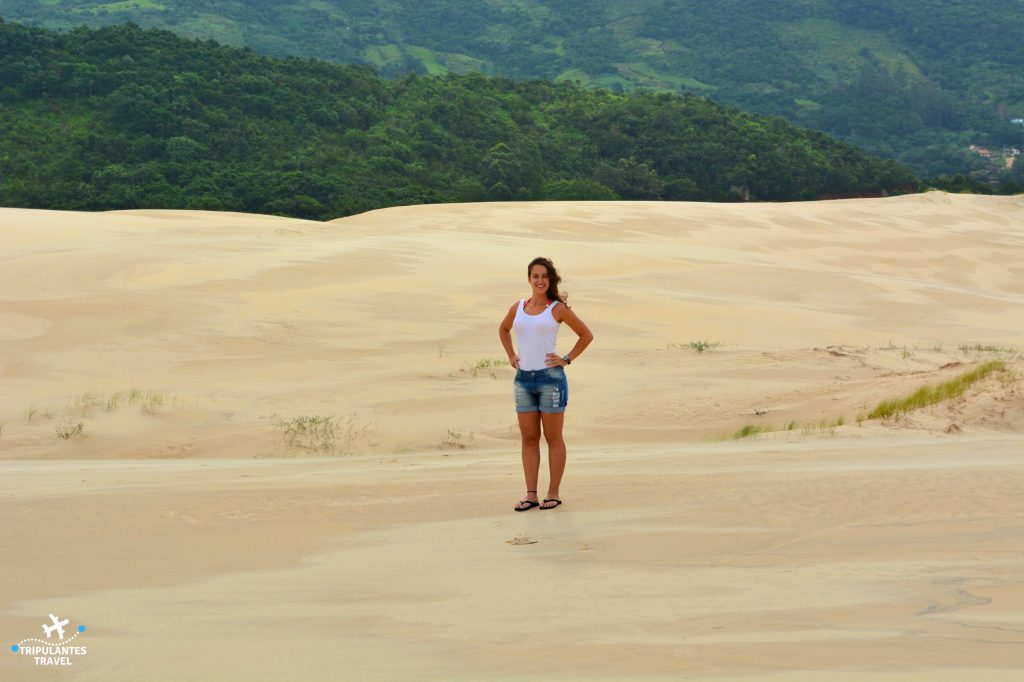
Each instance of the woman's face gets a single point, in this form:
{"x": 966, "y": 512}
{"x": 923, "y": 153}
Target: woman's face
{"x": 539, "y": 278}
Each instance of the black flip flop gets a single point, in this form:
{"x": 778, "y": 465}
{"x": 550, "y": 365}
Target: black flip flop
{"x": 531, "y": 504}
{"x": 552, "y": 499}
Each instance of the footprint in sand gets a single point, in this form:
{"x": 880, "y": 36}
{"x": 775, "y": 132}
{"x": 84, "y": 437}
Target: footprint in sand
{"x": 187, "y": 518}
{"x": 521, "y": 540}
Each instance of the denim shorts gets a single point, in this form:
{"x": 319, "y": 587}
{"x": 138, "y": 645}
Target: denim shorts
{"x": 545, "y": 389}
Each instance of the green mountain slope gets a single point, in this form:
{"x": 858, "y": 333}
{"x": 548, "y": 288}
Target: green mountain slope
{"x": 917, "y": 80}
{"x": 123, "y": 117}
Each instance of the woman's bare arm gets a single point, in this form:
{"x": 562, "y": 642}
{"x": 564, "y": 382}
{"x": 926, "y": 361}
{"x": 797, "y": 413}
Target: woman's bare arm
{"x": 578, "y": 326}
{"x": 505, "y": 334}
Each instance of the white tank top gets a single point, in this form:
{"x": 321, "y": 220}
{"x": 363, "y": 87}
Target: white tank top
{"x": 537, "y": 336}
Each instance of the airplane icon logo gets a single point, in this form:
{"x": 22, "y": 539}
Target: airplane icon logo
{"x": 58, "y": 625}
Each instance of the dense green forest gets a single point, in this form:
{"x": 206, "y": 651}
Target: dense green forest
{"x": 123, "y": 117}
{"x": 914, "y": 80}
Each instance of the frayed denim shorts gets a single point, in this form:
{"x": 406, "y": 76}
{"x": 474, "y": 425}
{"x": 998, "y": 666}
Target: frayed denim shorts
{"x": 546, "y": 390}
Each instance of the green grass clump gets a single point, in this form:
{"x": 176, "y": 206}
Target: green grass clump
{"x": 930, "y": 395}
{"x": 113, "y": 402}
{"x": 967, "y": 348}
{"x": 701, "y": 346}
{"x": 749, "y": 430}
{"x": 151, "y": 401}
{"x": 35, "y": 413}
{"x": 67, "y": 430}
{"x": 457, "y": 439}
{"x": 314, "y": 432}
{"x": 698, "y": 346}
{"x": 488, "y": 366}
{"x": 83, "y": 404}
{"x": 830, "y": 427}
{"x": 823, "y": 427}
{"x": 325, "y": 434}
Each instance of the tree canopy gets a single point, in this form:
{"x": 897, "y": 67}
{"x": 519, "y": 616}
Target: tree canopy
{"x": 918, "y": 81}
{"x": 123, "y": 117}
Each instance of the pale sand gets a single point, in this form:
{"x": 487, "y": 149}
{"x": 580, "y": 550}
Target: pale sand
{"x": 874, "y": 551}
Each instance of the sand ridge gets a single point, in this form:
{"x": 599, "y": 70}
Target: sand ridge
{"x": 387, "y": 320}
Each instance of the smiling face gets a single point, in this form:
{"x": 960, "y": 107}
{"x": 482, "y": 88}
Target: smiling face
{"x": 539, "y": 279}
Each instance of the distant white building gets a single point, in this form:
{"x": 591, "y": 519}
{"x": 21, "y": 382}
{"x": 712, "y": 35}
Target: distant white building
{"x": 1017, "y": 121}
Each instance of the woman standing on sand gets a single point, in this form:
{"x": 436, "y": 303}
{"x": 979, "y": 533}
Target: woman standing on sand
{"x": 541, "y": 389}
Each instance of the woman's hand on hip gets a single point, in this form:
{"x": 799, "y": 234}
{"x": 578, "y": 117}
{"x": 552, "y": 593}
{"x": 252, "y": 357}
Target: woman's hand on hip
{"x": 554, "y": 360}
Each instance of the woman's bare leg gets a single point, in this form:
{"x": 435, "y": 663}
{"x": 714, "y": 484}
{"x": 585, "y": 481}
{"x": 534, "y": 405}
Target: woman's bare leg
{"x": 556, "y": 451}
{"x": 529, "y": 429}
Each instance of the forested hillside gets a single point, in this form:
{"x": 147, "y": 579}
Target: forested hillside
{"x": 916, "y": 80}
{"x": 123, "y": 117}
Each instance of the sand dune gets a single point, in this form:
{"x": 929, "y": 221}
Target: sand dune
{"x": 242, "y": 321}
{"x": 385, "y": 548}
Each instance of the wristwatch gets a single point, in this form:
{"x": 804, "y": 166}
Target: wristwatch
{"x": 567, "y": 359}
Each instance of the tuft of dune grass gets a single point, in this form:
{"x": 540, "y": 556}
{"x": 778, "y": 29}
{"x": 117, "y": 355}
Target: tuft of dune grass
{"x": 325, "y": 434}
{"x": 749, "y": 430}
{"x": 931, "y": 395}
{"x": 699, "y": 346}
{"x": 486, "y": 366}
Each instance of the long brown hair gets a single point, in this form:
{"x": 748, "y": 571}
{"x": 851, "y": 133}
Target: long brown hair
{"x": 553, "y": 279}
